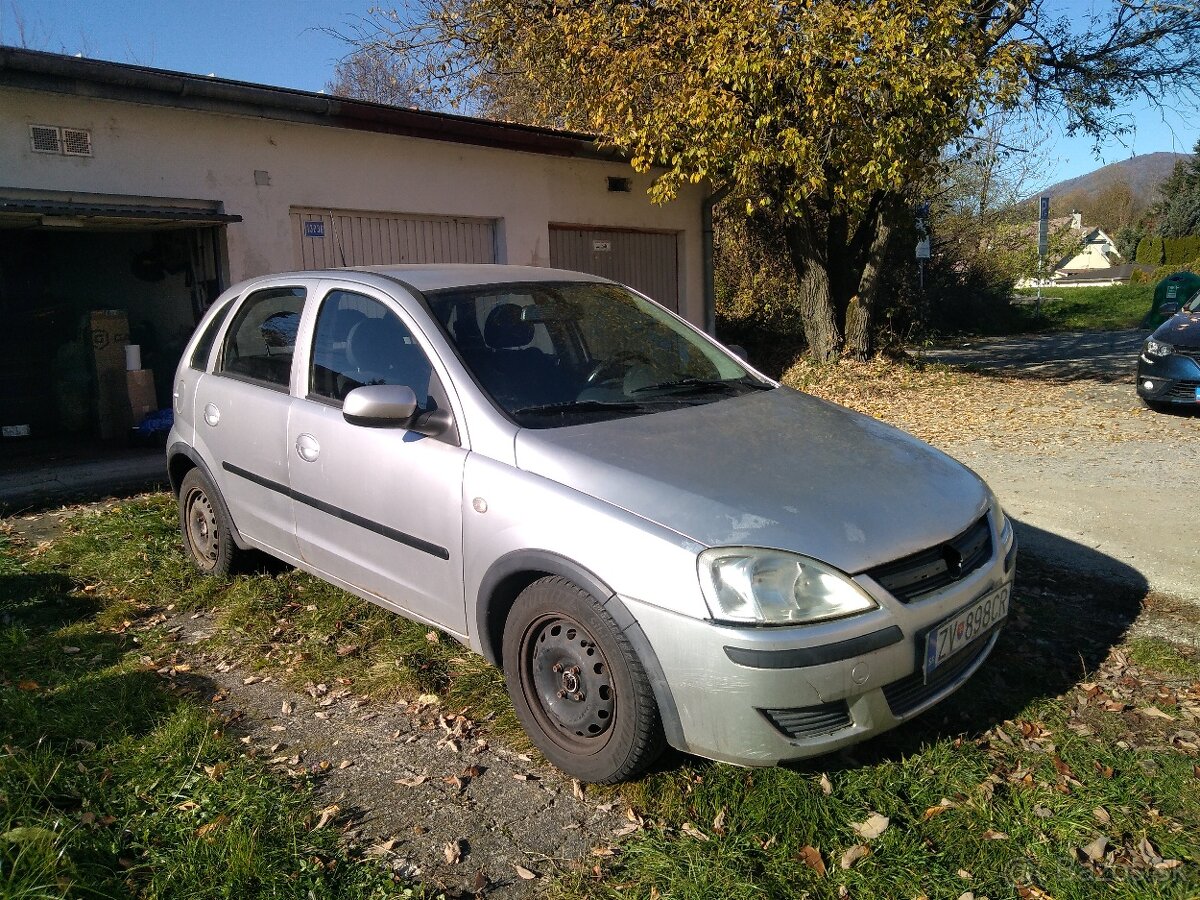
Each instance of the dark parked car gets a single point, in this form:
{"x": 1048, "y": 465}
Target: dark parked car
{"x": 1169, "y": 366}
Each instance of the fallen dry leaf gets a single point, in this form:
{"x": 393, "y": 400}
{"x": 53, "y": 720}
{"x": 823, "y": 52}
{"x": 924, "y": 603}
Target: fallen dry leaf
{"x": 692, "y": 831}
{"x": 218, "y": 822}
{"x": 524, "y": 873}
{"x": 1095, "y": 850}
{"x": 854, "y": 854}
{"x": 993, "y": 835}
{"x": 811, "y": 857}
{"x": 873, "y": 827}
{"x": 287, "y": 708}
{"x": 1101, "y": 815}
{"x": 383, "y": 847}
{"x": 941, "y": 807}
{"x": 577, "y": 789}
{"x": 1153, "y": 712}
{"x": 825, "y": 784}
{"x": 602, "y": 851}
{"x": 328, "y": 814}
{"x": 718, "y": 823}
{"x": 452, "y": 851}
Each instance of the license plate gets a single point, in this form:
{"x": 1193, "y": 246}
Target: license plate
{"x": 956, "y": 632}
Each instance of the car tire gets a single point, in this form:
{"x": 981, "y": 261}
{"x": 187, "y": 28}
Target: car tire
{"x": 578, "y": 687}
{"x": 207, "y": 532}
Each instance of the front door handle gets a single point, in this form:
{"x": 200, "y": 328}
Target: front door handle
{"x": 308, "y": 448}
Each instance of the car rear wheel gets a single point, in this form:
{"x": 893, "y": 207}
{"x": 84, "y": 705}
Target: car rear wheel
{"x": 207, "y": 534}
{"x": 577, "y": 685}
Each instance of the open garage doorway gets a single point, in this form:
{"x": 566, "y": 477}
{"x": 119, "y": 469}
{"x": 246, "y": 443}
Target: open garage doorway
{"x": 73, "y": 291}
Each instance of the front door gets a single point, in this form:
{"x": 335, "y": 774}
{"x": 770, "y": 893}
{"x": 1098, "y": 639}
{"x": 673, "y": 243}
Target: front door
{"x": 378, "y": 508}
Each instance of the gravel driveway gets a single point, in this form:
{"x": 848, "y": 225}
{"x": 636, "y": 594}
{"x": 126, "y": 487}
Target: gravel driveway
{"x": 1109, "y": 356}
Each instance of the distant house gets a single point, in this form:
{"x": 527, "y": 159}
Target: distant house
{"x": 1095, "y": 250}
{"x": 1092, "y": 259}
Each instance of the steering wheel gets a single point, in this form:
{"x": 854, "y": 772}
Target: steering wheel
{"x": 613, "y": 366}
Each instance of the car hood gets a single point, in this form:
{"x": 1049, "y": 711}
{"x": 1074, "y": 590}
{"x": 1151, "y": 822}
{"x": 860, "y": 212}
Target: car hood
{"x": 1181, "y": 330}
{"x": 773, "y": 468}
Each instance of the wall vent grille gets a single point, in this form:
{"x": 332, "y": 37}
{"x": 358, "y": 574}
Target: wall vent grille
{"x": 44, "y": 139}
{"x": 76, "y": 142}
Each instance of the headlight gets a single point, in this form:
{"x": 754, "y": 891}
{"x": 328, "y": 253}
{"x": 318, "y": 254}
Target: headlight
{"x": 1158, "y": 348}
{"x": 1006, "y": 530}
{"x": 771, "y": 587}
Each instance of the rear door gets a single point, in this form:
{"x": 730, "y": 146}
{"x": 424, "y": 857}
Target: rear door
{"x": 241, "y": 413}
{"x": 377, "y": 508}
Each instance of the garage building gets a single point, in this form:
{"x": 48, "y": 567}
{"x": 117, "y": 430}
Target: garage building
{"x": 131, "y": 197}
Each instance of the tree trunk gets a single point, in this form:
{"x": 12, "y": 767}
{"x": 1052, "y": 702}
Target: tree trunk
{"x": 818, "y": 310}
{"x": 860, "y": 332}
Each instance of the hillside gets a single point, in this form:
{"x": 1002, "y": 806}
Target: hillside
{"x": 1142, "y": 173}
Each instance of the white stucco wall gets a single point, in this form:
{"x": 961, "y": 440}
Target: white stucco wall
{"x": 157, "y": 151}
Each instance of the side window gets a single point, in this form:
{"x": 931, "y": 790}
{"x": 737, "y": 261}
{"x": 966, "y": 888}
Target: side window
{"x": 199, "y": 358}
{"x": 359, "y": 341}
{"x": 262, "y": 336}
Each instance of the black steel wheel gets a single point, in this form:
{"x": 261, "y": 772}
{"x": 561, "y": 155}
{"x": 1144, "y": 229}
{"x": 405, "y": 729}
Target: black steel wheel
{"x": 577, "y": 685}
{"x": 207, "y": 534}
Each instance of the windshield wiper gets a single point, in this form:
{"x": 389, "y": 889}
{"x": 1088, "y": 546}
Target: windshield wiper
{"x": 703, "y": 384}
{"x": 579, "y": 406}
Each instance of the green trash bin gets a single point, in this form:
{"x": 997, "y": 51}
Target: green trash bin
{"x": 1178, "y": 287}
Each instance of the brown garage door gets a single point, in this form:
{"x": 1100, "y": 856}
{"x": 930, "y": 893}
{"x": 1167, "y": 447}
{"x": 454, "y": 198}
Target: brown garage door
{"x": 330, "y": 238}
{"x": 647, "y": 261}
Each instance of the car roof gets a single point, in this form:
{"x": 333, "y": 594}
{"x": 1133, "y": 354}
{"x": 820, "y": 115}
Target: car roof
{"x": 455, "y": 275}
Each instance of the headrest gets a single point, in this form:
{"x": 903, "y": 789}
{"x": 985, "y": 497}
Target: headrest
{"x": 504, "y": 329}
{"x": 376, "y": 345}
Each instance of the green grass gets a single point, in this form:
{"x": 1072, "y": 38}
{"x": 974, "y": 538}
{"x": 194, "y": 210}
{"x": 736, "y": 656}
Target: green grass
{"x": 114, "y": 785}
{"x": 1085, "y": 308}
{"x": 1020, "y": 751}
{"x": 275, "y": 617}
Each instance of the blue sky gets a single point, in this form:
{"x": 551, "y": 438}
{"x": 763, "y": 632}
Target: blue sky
{"x": 279, "y": 42}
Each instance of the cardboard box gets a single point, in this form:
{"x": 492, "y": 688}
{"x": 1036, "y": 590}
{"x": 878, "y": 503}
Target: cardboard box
{"x": 108, "y": 335}
{"x": 142, "y": 397}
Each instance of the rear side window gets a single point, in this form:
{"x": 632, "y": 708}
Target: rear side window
{"x": 199, "y": 358}
{"x": 262, "y": 337}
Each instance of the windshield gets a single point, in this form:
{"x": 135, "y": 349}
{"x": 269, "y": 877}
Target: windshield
{"x": 1193, "y": 305}
{"x": 552, "y": 354}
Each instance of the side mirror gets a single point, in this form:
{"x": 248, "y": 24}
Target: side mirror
{"x": 739, "y": 351}
{"x": 380, "y": 405}
{"x": 1168, "y": 309}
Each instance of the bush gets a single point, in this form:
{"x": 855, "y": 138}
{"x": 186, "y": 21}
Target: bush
{"x": 1150, "y": 251}
{"x": 1180, "y": 250}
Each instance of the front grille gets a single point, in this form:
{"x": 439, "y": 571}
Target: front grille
{"x": 909, "y": 693}
{"x": 1182, "y": 390}
{"x": 809, "y": 721}
{"x": 930, "y": 570}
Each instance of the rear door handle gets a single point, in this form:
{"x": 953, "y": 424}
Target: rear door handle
{"x": 308, "y": 448}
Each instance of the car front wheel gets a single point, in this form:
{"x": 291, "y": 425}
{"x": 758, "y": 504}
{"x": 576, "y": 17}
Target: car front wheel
{"x": 577, "y": 685}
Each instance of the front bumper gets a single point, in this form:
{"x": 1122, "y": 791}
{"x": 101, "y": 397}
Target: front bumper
{"x": 1169, "y": 379}
{"x": 826, "y": 686}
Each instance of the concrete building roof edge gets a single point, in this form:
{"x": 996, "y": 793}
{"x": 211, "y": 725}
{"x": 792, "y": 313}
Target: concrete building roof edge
{"x": 39, "y": 71}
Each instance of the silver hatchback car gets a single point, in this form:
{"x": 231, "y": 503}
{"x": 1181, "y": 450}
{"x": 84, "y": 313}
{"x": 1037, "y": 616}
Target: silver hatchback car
{"x": 658, "y": 544}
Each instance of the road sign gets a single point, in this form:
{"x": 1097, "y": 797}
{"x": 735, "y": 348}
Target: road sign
{"x": 1044, "y": 227}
